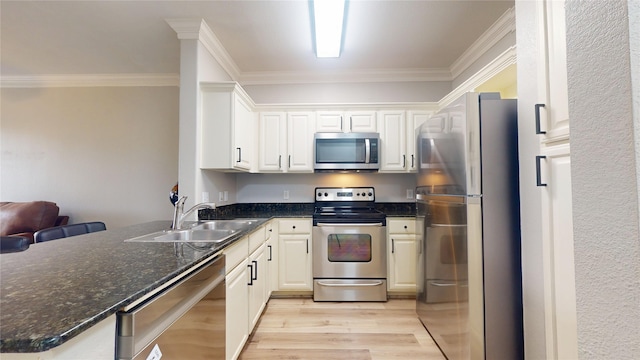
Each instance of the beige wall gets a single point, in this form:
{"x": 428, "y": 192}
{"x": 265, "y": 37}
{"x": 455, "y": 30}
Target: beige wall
{"x": 101, "y": 153}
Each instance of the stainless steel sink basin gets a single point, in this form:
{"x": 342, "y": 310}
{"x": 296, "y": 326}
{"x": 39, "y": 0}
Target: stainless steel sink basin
{"x": 211, "y": 231}
{"x": 186, "y": 235}
{"x": 236, "y": 224}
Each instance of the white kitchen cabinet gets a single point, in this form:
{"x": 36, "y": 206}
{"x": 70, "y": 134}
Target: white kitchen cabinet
{"x": 286, "y": 141}
{"x": 228, "y": 126}
{"x": 558, "y": 255}
{"x": 401, "y": 255}
{"x": 237, "y": 305}
{"x": 257, "y": 285}
{"x": 272, "y": 256}
{"x": 553, "y": 108}
{"x": 346, "y": 121}
{"x": 415, "y": 118}
{"x": 272, "y": 142}
{"x": 295, "y": 267}
{"x": 300, "y": 130}
{"x": 246, "y": 285}
{"x": 393, "y": 135}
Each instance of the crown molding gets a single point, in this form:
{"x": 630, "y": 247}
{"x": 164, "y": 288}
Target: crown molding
{"x": 505, "y": 25}
{"x": 89, "y": 80}
{"x": 197, "y": 29}
{"x": 270, "y": 78}
{"x": 504, "y": 60}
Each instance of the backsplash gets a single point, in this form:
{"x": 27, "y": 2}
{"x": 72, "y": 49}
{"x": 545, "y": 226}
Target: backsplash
{"x": 261, "y": 210}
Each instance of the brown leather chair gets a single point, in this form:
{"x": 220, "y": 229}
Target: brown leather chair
{"x": 25, "y": 218}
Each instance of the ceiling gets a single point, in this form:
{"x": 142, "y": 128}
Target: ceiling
{"x": 261, "y": 37}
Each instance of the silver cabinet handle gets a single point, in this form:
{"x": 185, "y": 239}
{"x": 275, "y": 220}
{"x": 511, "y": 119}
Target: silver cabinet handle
{"x": 239, "y": 155}
{"x": 538, "y": 131}
{"x": 539, "y": 171}
{"x": 270, "y": 252}
{"x": 375, "y": 283}
{"x": 412, "y": 162}
{"x": 307, "y": 246}
{"x": 349, "y": 224}
{"x": 279, "y": 161}
{"x": 250, "y": 266}
{"x": 404, "y": 161}
{"x": 393, "y": 246}
{"x": 350, "y": 123}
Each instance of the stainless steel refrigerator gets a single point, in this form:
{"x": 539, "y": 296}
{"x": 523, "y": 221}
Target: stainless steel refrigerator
{"x": 469, "y": 293}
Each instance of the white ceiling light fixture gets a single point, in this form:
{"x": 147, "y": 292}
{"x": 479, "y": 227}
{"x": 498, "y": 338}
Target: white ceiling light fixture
{"x": 329, "y": 21}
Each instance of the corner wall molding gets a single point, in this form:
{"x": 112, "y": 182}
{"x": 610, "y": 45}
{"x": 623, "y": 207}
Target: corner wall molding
{"x": 361, "y": 76}
{"x": 505, "y": 25}
{"x": 504, "y": 60}
{"x": 89, "y": 80}
{"x": 197, "y": 29}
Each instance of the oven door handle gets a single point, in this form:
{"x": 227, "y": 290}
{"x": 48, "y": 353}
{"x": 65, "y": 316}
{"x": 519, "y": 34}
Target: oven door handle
{"x": 373, "y": 283}
{"x": 349, "y": 224}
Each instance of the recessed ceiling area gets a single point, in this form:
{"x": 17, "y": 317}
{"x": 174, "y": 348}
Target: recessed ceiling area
{"x": 261, "y": 37}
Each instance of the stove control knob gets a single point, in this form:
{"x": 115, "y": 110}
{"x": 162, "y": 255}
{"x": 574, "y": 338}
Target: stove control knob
{"x": 319, "y": 194}
{"x": 370, "y": 194}
{"x": 364, "y": 194}
{"x": 326, "y": 194}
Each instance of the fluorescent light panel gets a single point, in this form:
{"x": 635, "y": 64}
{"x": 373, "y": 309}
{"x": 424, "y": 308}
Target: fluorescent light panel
{"x": 329, "y": 19}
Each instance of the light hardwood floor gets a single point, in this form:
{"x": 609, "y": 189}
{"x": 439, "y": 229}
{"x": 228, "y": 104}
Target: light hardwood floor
{"x": 306, "y": 330}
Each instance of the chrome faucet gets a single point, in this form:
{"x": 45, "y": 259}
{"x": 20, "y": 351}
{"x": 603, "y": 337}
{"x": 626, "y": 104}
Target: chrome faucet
{"x": 179, "y": 214}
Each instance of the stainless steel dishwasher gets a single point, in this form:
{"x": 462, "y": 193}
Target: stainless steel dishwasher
{"x": 184, "y": 321}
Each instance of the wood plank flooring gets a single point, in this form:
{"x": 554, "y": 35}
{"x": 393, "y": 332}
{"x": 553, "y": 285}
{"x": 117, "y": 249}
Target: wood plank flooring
{"x": 305, "y": 330}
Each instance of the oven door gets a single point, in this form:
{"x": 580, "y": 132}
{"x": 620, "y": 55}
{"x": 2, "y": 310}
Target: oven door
{"x": 349, "y": 251}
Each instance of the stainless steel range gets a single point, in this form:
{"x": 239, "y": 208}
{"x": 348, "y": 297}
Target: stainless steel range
{"x": 349, "y": 246}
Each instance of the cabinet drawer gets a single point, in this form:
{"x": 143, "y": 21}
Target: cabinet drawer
{"x": 401, "y": 226}
{"x": 295, "y": 226}
{"x": 236, "y": 253}
{"x": 256, "y": 239}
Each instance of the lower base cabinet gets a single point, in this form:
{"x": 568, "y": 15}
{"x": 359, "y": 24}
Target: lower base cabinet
{"x": 237, "y": 316}
{"x": 402, "y": 242}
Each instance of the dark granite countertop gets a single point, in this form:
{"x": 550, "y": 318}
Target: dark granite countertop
{"x": 55, "y": 290}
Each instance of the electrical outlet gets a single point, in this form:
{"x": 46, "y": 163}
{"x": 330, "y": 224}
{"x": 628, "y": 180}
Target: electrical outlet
{"x": 409, "y": 193}
{"x": 226, "y": 195}
{"x": 220, "y": 196}
{"x": 205, "y": 196}
{"x": 286, "y": 195}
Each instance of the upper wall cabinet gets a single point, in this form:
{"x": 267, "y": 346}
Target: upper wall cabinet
{"x": 286, "y": 141}
{"x": 346, "y": 121}
{"x": 398, "y": 136}
{"x": 228, "y": 127}
{"x": 552, "y": 113}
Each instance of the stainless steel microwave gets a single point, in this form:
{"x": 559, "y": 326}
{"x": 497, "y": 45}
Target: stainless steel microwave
{"x": 346, "y": 152}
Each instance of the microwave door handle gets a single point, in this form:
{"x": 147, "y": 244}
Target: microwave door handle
{"x": 367, "y": 151}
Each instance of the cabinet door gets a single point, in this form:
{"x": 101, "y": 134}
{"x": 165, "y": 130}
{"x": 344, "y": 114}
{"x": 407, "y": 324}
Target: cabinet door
{"x": 244, "y": 126}
{"x": 360, "y": 121}
{"x": 271, "y": 251}
{"x": 553, "y": 88}
{"x": 301, "y": 127}
{"x": 257, "y": 285}
{"x": 329, "y": 121}
{"x": 415, "y": 119}
{"x": 402, "y": 262}
{"x": 393, "y": 137}
{"x": 295, "y": 262}
{"x": 559, "y": 276}
{"x": 273, "y": 141}
{"x": 237, "y": 315}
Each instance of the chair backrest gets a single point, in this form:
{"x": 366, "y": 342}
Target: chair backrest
{"x": 10, "y": 244}
{"x": 60, "y": 232}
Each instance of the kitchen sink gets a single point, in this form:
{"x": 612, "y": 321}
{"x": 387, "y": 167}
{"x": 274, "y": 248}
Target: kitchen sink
{"x": 236, "y": 224}
{"x": 210, "y": 231}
